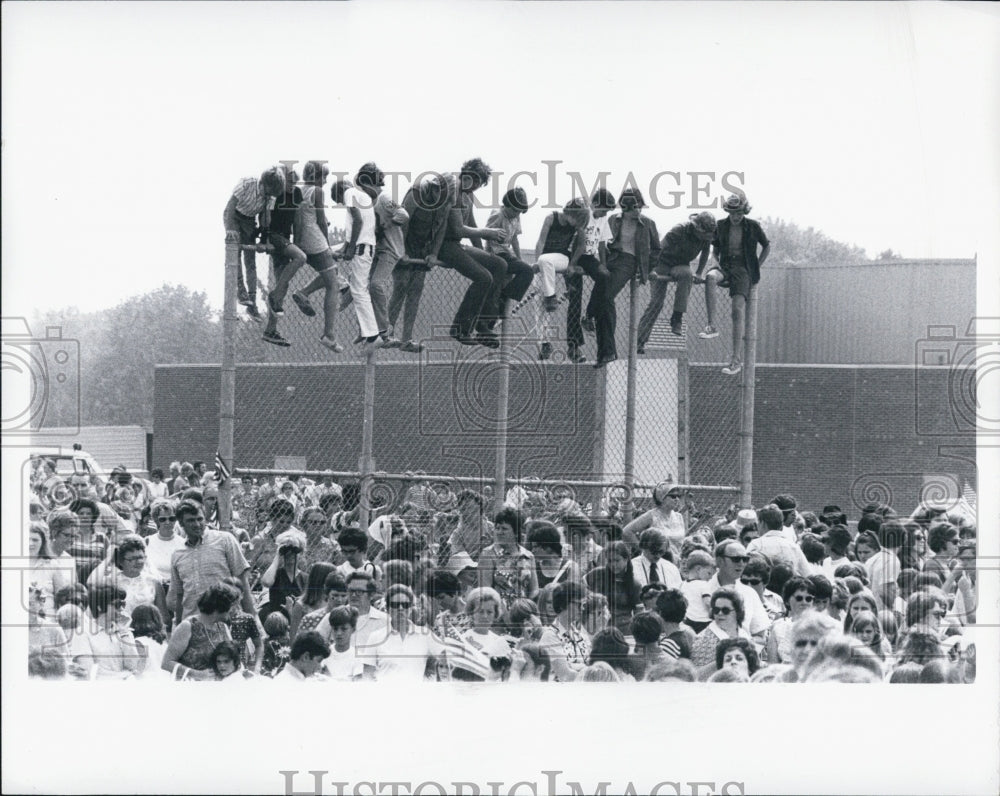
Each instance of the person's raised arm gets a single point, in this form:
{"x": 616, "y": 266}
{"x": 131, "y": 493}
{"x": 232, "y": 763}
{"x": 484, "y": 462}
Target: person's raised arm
{"x": 639, "y": 524}
{"x": 271, "y": 573}
{"x": 229, "y": 221}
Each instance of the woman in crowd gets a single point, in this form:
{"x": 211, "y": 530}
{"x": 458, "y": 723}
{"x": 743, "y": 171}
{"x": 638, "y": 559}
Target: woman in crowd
{"x": 579, "y": 531}
{"x": 189, "y": 653}
{"x": 739, "y": 655}
{"x": 283, "y": 579}
{"x": 807, "y": 633}
{"x": 868, "y": 630}
{"x": 551, "y": 565}
{"x": 798, "y": 597}
{"x": 245, "y": 627}
{"x": 565, "y": 639}
{"x": 107, "y": 648}
{"x": 44, "y": 572}
{"x": 914, "y": 549}
{"x": 609, "y": 646}
{"x": 313, "y": 596}
{"x": 151, "y": 638}
{"x": 863, "y": 602}
{"x": 614, "y": 580}
{"x": 726, "y": 610}
{"x": 866, "y": 545}
{"x": 484, "y": 607}
{"x": 91, "y": 547}
{"x": 505, "y": 565}
{"x": 665, "y": 516}
{"x": 227, "y": 664}
{"x": 161, "y": 545}
{"x": 596, "y": 614}
{"x": 318, "y": 549}
{"x": 925, "y": 611}
{"x": 837, "y": 658}
{"x": 128, "y": 571}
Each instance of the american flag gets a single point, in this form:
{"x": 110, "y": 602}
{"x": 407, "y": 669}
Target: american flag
{"x": 969, "y": 496}
{"x": 221, "y": 471}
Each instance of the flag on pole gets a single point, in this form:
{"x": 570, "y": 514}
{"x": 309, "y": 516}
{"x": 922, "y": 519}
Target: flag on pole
{"x": 969, "y": 498}
{"x": 221, "y": 471}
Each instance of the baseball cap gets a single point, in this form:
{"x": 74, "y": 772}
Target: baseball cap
{"x": 746, "y": 517}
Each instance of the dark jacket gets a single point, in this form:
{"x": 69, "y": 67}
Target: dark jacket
{"x": 753, "y": 235}
{"x": 647, "y": 246}
{"x": 681, "y": 245}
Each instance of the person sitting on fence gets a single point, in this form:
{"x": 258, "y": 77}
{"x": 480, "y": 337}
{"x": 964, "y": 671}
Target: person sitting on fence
{"x": 428, "y": 203}
{"x": 487, "y": 272}
{"x": 286, "y": 258}
{"x": 390, "y": 223}
{"x": 312, "y": 235}
{"x": 252, "y": 197}
{"x": 519, "y": 273}
{"x": 560, "y": 245}
{"x": 594, "y": 262}
{"x": 680, "y": 245}
{"x": 634, "y": 246}
{"x": 735, "y": 250}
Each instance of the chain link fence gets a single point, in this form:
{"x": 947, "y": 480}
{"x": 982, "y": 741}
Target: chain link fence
{"x": 301, "y": 408}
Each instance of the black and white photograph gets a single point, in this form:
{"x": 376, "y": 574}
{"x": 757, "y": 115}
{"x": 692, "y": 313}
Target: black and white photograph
{"x": 550, "y": 385}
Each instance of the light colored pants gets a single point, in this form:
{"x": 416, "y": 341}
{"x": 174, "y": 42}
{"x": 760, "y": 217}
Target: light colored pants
{"x": 358, "y": 272}
{"x": 548, "y": 266}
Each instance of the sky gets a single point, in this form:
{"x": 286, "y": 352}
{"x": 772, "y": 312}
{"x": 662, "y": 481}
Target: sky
{"x": 124, "y": 132}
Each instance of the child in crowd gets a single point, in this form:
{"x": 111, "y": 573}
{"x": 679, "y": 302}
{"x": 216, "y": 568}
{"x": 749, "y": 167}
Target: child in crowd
{"x": 277, "y": 645}
{"x": 697, "y": 569}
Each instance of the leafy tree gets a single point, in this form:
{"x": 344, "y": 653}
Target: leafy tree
{"x": 793, "y": 245}
{"x": 889, "y": 254}
{"x": 119, "y": 348}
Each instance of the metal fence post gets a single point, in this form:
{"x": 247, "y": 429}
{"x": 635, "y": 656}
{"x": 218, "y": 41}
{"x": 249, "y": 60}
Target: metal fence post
{"x": 747, "y": 388}
{"x": 630, "y": 388}
{"x": 500, "y": 483}
{"x": 366, "y": 464}
{"x": 227, "y": 389}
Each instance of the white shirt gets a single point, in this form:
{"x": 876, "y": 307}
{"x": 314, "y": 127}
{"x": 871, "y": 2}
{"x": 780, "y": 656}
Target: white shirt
{"x": 358, "y": 199}
{"x": 598, "y": 231}
{"x": 756, "y": 619}
{"x": 158, "y": 553}
{"x": 343, "y": 666}
{"x": 404, "y": 658}
{"x": 669, "y": 575}
{"x": 776, "y": 546}
{"x": 697, "y": 594}
{"x": 157, "y": 490}
{"x": 371, "y": 631}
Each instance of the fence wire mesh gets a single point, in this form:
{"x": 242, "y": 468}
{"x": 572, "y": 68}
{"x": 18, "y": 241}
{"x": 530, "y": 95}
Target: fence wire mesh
{"x": 300, "y": 408}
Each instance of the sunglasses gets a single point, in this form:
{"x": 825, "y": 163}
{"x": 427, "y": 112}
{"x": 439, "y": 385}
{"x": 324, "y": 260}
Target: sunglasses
{"x": 739, "y": 559}
{"x": 722, "y": 609}
{"x": 803, "y": 598}
{"x": 806, "y": 642}
{"x": 400, "y": 605}
{"x": 751, "y": 581}
{"x": 165, "y": 518}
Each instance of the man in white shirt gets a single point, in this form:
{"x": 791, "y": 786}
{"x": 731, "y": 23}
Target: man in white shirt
{"x": 358, "y": 252}
{"x": 404, "y": 654}
{"x": 308, "y": 652}
{"x": 650, "y": 566}
{"x": 372, "y": 625}
{"x": 776, "y": 546}
{"x": 787, "y": 505}
{"x": 730, "y": 559}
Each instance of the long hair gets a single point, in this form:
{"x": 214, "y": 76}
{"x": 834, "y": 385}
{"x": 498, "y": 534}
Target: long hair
{"x": 45, "y": 552}
{"x": 315, "y": 592}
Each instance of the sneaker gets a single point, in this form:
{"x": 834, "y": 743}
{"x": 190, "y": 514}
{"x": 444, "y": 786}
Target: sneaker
{"x": 588, "y": 325}
{"x": 410, "y": 347}
{"x": 640, "y": 349}
{"x": 371, "y": 345}
{"x": 708, "y": 333}
{"x": 733, "y": 368}
{"x": 546, "y": 351}
{"x": 302, "y": 302}
{"x": 550, "y": 303}
{"x": 573, "y": 355}
{"x": 253, "y": 312}
{"x": 388, "y": 341}
{"x": 677, "y": 326}
{"x": 275, "y": 339}
{"x": 274, "y": 306}
{"x": 332, "y": 344}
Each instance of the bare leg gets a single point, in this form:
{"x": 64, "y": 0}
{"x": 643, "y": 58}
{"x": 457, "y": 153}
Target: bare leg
{"x": 711, "y": 282}
{"x": 331, "y": 298}
{"x": 739, "y": 314}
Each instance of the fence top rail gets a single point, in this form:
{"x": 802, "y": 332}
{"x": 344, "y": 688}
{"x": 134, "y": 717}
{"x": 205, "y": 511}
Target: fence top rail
{"x": 411, "y": 476}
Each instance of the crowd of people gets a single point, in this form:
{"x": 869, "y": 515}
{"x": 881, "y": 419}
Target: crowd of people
{"x": 389, "y": 247}
{"x": 136, "y": 579}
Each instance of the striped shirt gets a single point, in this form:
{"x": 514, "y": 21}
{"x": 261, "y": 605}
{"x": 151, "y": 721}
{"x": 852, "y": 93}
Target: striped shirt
{"x": 250, "y": 197}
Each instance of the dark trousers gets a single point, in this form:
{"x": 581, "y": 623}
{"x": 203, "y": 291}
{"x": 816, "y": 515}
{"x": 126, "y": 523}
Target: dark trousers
{"x": 602, "y": 301}
{"x": 574, "y": 286}
{"x": 407, "y": 288}
{"x": 518, "y": 280}
{"x": 681, "y": 275}
{"x": 247, "y": 288}
{"x": 486, "y": 272}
